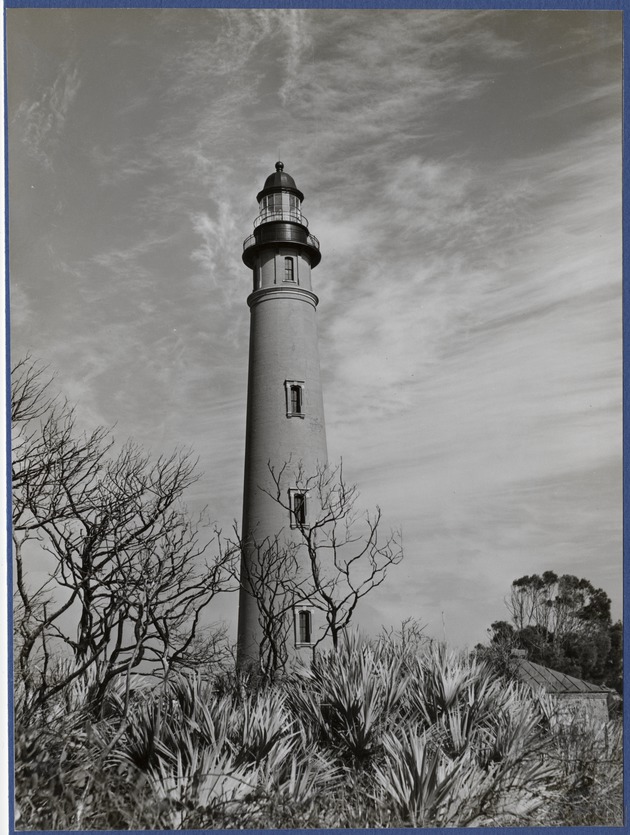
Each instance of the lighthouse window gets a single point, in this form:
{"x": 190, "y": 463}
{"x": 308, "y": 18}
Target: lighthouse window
{"x": 298, "y": 508}
{"x": 304, "y": 627}
{"x": 294, "y": 392}
{"x": 272, "y": 202}
{"x": 288, "y": 270}
{"x": 296, "y": 400}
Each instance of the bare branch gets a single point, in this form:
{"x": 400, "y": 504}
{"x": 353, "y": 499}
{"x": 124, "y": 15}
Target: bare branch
{"x": 128, "y": 565}
{"x": 346, "y": 555}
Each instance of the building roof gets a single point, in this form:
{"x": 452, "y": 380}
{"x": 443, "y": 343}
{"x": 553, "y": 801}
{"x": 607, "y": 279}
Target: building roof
{"x": 552, "y": 681}
{"x": 280, "y": 180}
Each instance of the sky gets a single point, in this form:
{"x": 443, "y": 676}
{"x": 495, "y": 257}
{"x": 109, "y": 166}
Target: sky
{"x": 462, "y": 171}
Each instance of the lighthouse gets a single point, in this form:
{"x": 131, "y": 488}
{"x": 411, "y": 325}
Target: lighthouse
{"x": 285, "y": 433}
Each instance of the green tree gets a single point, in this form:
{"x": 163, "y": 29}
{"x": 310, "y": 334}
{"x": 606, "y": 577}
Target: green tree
{"x": 563, "y": 622}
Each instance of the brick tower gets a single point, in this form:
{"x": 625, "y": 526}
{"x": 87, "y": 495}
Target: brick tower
{"x": 285, "y": 411}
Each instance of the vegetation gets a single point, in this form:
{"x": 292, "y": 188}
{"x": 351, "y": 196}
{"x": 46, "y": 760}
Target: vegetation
{"x": 564, "y": 623}
{"x": 347, "y": 560}
{"x": 343, "y": 556}
{"x": 127, "y": 716}
{"x": 124, "y": 568}
{"x": 372, "y": 735}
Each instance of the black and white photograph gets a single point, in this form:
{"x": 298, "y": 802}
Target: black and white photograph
{"x": 315, "y": 356}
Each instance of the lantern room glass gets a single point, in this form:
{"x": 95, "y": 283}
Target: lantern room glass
{"x": 280, "y": 206}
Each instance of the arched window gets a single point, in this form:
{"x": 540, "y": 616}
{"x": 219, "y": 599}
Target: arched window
{"x": 304, "y": 627}
{"x": 288, "y": 270}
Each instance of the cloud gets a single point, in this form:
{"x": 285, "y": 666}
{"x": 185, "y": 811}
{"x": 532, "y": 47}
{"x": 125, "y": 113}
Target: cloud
{"x": 224, "y": 49}
{"x": 467, "y": 199}
{"x": 296, "y": 26}
{"x": 42, "y": 122}
{"x": 121, "y": 162}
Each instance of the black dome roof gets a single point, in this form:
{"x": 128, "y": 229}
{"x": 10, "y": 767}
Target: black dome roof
{"x": 280, "y": 180}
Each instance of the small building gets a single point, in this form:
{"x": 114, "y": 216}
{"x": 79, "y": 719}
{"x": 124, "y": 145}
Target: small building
{"x": 574, "y": 697}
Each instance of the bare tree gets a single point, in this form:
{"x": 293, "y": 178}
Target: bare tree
{"x": 128, "y": 579}
{"x": 409, "y": 636}
{"x": 271, "y": 576}
{"x": 347, "y": 556}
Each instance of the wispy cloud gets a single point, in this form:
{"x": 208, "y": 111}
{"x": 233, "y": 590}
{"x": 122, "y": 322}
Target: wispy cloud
{"x": 467, "y": 199}
{"x": 295, "y": 24}
{"x": 120, "y": 163}
{"x": 42, "y": 122}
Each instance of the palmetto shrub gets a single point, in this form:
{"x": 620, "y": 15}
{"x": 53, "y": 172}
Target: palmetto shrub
{"x": 214, "y": 760}
{"x": 471, "y": 748}
{"x": 180, "y": 738}
{"x": 62, "y": 778}
{"x": 454, "y": 695}
{"x": 348, "y": 697}
{"x": 261, "y": 725}
{"x": 370, "y": 736}
{"x": 418, "y": 782}
{"x": 194, "y": 790}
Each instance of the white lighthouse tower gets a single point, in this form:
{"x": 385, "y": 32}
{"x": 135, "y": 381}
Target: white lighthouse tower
{"x": 285, "y": 413}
